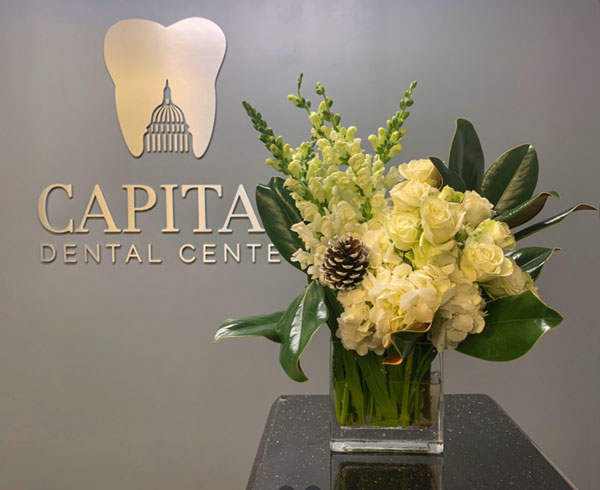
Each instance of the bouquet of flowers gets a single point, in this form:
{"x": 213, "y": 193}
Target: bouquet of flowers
{"x": 403, "y": 261}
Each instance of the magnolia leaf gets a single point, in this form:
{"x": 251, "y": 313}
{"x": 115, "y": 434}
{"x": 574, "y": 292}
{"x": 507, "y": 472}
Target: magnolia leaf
{"x": 448, "y": 176}
{"x": 274, "y": 212}
{"x": 512, "y": 178}
{"x": 466, "y": 155}
{"x": 532, "y": 259}
{"x": 297, "y": 326}
{"x": 530, "y": 230}
{"x": 250, "y": 326}
{"x": 527, "y": 210}
{"x": 287, "y": 201}
{"x": 513, "y": 325}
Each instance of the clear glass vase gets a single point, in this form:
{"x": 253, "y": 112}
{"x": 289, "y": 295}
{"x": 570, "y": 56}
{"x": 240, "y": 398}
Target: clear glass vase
{"x": 379, "y": 407}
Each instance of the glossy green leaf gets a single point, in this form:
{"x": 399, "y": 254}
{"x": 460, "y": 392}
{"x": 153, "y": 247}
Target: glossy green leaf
{"x": 277, "y": 222}
{"x": 530, "y": 230}
{"x": 297, "y": 326}
{"x": 513, "y": 325}
{"x": 466, "y": 155}
{"x": 527, "y": 210}
{"x": 512, "y": 178}
{"x": 448, "y": 176}
{"x": 532, "y": 259}
{"x": 287, "y": 201}
{"x": 250, "y": 326}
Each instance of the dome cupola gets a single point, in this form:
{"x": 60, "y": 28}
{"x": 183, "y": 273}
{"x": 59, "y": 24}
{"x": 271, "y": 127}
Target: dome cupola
{"x": 167, "y": 132}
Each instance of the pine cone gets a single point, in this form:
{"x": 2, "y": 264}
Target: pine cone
{"x": 346, "y": 262}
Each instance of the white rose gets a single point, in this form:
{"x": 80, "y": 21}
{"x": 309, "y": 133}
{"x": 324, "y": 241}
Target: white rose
{"x": 511, "y": 285}
{"x": 403, "y": 229}
{"x": 421, "y": 171}
{"x": 440, "y": 219}
{"x": 460, "y": 314}
{"x": 499, "y": 231}
{"x": 483, "y": 260}
{"x": 476, "y": 208}
{"x": 408, "y": 195}
{"x": 425, "y": 253}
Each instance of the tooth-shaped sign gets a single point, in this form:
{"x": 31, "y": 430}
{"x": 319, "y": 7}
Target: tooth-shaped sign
{"x": 165, "y": 82}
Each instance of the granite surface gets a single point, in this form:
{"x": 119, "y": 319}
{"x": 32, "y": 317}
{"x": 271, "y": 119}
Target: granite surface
{"x": 484, "y": 449}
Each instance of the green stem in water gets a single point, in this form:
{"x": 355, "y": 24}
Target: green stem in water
{"x": 345, "y": 403}
{"x": 405, "y": 415}
{"x": 424, "y": 365}
{"x": 416, "y": 402}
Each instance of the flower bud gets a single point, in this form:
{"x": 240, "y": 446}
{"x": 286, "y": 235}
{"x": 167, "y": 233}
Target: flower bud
{"x": 315, "y": 119}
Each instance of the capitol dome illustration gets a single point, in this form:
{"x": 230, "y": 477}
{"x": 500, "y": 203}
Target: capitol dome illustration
{"x": 167, "y": 132}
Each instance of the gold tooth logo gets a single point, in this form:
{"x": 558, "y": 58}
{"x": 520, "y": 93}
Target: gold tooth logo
{"x": 146, "y": 59}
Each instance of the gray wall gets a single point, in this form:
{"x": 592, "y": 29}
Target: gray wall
{"x": 108, "y": 375}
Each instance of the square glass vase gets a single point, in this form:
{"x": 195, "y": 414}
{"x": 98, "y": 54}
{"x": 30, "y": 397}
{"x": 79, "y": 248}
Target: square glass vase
{"x": 379, "y": 407}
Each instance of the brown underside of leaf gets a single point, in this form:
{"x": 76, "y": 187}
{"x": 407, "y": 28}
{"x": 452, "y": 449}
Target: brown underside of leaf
{"x": 392, "y": 361}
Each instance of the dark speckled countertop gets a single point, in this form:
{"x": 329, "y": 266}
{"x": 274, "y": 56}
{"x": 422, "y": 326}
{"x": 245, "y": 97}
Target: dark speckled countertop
{"x": 484, "y": 449}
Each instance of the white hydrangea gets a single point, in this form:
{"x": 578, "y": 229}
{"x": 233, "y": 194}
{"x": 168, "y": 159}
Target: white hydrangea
{"x": 460, "y": 314}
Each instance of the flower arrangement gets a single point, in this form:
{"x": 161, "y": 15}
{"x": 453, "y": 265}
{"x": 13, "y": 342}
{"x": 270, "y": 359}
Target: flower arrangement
{"x": 403, "y": 261}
